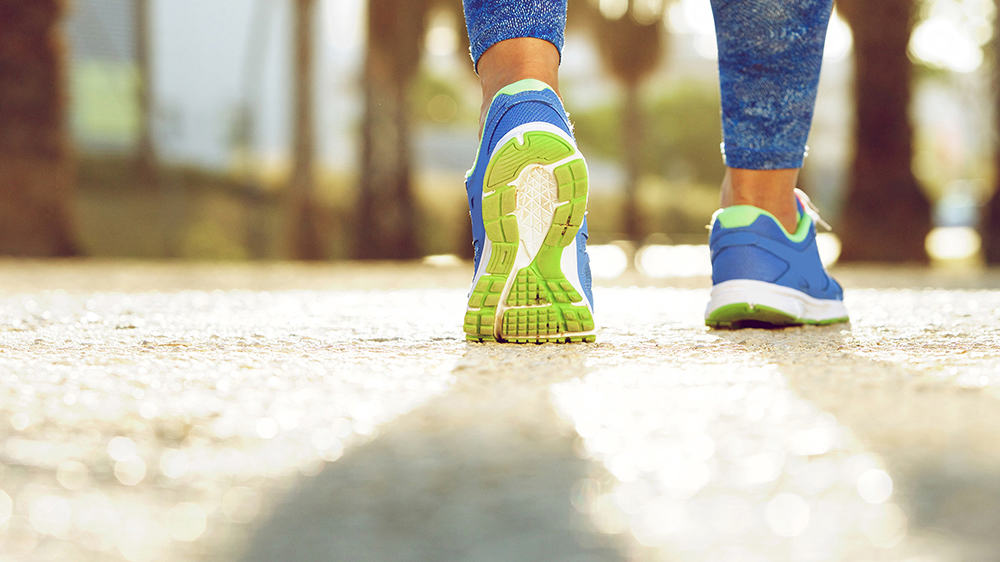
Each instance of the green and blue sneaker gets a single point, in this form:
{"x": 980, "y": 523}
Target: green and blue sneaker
{"x": 763, "y": 275}
{"x": 528, "y": 202}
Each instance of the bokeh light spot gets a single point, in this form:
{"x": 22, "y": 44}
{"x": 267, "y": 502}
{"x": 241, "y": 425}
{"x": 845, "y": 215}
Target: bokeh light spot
{"x": 787, "y": 515}
{"x": 875, "y": 486}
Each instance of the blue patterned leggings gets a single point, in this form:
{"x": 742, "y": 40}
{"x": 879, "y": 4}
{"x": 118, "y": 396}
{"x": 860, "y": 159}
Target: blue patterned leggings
{"x": 770, "y": 53}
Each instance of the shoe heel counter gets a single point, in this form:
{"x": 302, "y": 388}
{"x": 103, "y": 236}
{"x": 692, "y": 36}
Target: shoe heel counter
{"x": 530, "y": 110}
{"x": 745, "y": 261}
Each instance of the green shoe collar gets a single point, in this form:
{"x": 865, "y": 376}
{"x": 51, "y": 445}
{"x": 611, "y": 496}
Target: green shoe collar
{"x": 739, "y": 216}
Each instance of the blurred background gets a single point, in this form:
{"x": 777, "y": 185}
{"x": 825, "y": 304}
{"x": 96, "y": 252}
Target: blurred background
{"x": 341, "y": 129}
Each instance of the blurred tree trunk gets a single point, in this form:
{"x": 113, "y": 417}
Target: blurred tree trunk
{"x": 306, "y": 242}
{"x": 258, "y": 203}
{"x": 632, "y": 133}
{"x": 36, "y": 170}
{"x": 630, "y": 50}
{"x": 463, "y": 247}
{"x": 887, "y": 216}
{"x": 145, "y": 154}
{"x": 387, "y": 214}
{"x": 990, "y": 229}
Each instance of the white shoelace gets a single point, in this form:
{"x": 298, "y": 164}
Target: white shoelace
{"x": 811, "y": 209}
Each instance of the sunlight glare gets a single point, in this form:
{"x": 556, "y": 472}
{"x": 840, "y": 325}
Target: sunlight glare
{"x": 682, "y": 260}
{"x": 942, "y": 43}
{"x": 875, "y": 486}
{"x": 787, "y": 515}
{"x": 442, "y": 260}
{"x": 441, "y": 39}
{"x": 838, "y": 39}
{"x": 829, "y": 247}
{"x": 647, "y": 11}
{"x": 953, "y": 243}
{"x": 343, "y": 24}
{"x": 607, "y": 261}
{"x": 697, "y": 14}
{"x": 613, "y": 9}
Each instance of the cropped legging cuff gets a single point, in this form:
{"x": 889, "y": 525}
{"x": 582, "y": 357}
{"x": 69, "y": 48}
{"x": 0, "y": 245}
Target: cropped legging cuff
{"x": 491, "y": 21}
{"x": 770, "y": 53}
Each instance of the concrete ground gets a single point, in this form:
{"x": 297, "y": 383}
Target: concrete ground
{"x": 202, "y": 412}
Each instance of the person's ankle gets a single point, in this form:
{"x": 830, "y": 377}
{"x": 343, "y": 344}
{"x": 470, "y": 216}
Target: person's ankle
{"x": 513, "y": 60}
{"x": 770, "y": 190}
{"x": 490, "y": 91}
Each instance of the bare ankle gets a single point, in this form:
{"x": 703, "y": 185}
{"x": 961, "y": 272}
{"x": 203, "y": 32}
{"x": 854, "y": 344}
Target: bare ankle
{"x": 771, "y": 190}
{"x": 516, "y": 59}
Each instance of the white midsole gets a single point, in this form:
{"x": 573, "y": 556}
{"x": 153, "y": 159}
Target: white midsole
{"x": 761, "y": 293}
{"x": 523, "y": 258}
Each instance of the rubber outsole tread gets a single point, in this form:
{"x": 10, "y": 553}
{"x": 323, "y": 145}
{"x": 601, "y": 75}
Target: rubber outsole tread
{"x": 537, "y": 340}
{"x": 746, "y": 315}
{"x": 544, "y": 307}
{"x": 511, "y": 158}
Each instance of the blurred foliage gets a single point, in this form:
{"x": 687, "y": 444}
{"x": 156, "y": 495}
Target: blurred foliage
{"x": 676, "y": 212}
{"x": 439, "y": 100}
{"x": 102, "y": 108}
{"x": 199, "y": 214}
{"x": 204, "y": 214}
{"x": 193, "y": 213}
{"x": 684, "y": 125}
{"x": 941, "y": 159}
{"x": 196, "y": 213}
{"x": 680, "y": 160}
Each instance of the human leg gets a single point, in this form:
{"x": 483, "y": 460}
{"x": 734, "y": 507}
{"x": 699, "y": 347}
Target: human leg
{"x": 512, "y": 40}
{"x": 512, "y": 60}
{"x": 770, "y": 54}
{"x": 765, "y": 263}
{"x": 528, "y": 187}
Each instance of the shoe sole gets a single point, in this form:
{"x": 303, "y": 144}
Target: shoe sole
{"x": 534, "y": 202}
{"x": 745, "y": 303}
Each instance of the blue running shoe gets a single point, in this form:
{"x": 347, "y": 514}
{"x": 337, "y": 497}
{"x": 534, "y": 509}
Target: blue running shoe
{"x": 763, "y": 275}
{"x": 528, "y": 201}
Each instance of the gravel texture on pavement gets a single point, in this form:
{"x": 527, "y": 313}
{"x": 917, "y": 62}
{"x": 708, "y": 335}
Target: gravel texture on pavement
{"x": 156, "y": 412}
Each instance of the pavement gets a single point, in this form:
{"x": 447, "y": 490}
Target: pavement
{"x": 166, "y": 411}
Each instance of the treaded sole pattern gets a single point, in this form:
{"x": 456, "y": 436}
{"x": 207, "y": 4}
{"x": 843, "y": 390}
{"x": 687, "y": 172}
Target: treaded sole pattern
{"x": 746, "y": 315}
{"x": 541, "y": 305}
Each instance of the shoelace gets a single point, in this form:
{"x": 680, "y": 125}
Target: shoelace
{"x": 811, "y": 209}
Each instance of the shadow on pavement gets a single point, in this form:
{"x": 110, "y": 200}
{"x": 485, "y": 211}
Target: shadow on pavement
{"x": 484, "y": 472}
{"x": 938, "y": 439}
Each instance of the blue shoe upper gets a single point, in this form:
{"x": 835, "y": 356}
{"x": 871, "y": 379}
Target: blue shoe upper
{"x": 506, "y": 112}
{"x": 763, "y": 251}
